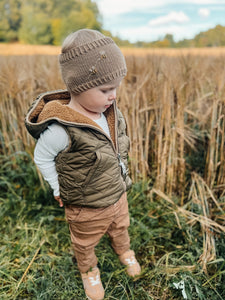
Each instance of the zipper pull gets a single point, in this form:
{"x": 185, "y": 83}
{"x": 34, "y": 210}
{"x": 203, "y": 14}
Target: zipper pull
{"x": 122, "y": 166}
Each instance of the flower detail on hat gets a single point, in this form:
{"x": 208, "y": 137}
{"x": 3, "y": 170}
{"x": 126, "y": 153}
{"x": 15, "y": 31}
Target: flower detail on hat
{"x": 93, "y": 70}
{"x": 103, "y": 55}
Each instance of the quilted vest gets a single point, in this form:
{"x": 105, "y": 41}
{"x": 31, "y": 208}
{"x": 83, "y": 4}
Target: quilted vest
{"x": 92, "y": 170}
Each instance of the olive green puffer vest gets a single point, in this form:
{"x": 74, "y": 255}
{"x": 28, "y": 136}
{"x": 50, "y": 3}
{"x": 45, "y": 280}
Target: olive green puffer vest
{"x": 92, "y": 170}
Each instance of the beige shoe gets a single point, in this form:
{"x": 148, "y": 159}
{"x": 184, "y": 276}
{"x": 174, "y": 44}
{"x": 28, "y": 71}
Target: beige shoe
{"x": 128, "y": 259}
{"x": 92, "y": 284}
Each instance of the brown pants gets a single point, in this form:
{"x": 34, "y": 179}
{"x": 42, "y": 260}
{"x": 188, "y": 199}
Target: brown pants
{"x": 88, "y": 225}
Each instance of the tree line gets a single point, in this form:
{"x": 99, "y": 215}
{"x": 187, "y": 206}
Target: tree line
{"x": 214, "y": 37}
{"x": 50, "y": 21}
{"x": 45, "y": 21}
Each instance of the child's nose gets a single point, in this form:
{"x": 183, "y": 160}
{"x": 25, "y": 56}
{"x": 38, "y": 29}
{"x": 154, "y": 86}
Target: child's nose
{"x": 112, "y": 95}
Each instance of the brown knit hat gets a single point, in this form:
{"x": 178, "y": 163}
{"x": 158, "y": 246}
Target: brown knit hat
{"x": 91, "y": 59}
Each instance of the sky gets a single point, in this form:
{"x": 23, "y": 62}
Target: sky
{"x": 151, "y": 20}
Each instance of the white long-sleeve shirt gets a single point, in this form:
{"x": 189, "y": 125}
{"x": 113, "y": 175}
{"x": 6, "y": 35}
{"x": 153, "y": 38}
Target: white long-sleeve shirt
{"x": 53, "y": 140}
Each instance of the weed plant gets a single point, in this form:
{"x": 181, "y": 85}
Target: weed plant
{"x": 36, "y": 256}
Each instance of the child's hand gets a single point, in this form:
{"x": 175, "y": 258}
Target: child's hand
{"x": 57, "y": 198}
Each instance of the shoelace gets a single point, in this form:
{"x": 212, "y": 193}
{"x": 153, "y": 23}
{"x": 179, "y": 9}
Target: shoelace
{"x": 131, "y": 261}
{"x": 94, "y": 281}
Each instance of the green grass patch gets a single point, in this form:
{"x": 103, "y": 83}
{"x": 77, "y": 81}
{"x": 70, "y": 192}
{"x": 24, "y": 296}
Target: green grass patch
{"x": 36, "y": 256}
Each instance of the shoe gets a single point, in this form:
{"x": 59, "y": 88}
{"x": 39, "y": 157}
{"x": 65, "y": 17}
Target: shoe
{"x": 92, "y": 284}
{"x": 128, "y": 259}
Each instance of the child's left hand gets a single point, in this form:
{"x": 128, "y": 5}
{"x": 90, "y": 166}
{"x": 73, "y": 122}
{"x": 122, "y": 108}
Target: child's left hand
{"x": 57, "y": 198}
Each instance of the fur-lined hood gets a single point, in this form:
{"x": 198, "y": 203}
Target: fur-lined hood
{"x": 52, "y": 107}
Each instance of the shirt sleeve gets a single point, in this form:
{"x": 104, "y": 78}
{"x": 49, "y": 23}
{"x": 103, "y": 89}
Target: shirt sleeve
{"x": 53, "y": 140}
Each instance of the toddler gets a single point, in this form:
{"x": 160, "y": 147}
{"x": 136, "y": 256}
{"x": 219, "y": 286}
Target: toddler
{"x": 82, "y": 151}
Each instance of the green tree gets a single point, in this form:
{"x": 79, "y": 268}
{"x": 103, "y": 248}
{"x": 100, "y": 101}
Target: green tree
{"x": 10, "y": 19}
{"x": 46, "y": 21}
{"x": 211, "y": 38}
{"x": 84, "y": 15}
{"x": 35, "y": 26}
{"x": 56, "y": 28}
{"x": 84, "y": 18}
{"x": 169, "y": 37}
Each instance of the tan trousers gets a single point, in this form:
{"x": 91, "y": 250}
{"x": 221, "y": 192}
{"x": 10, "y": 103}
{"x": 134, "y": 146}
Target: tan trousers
{"x": 88, "y": 225}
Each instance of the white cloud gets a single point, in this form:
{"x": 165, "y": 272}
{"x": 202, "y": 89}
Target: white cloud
{"x": 172, "y": 17}
{"x": 147, "y": 33}
{"x": 110, "y": 8}
{"x": 204, "y": 12}
{"x": 162, "y": 15}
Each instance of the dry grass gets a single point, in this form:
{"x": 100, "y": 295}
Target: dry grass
{"x": 174, "y": 52}
{"x": 22, "y": 49}
{"x": 174, "y": 107}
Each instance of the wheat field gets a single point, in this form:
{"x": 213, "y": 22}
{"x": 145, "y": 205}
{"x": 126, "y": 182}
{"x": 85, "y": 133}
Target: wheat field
{"x": 173, "y": 101}
{"x": 23, "y": 49}
{"x": 174, "y": 104}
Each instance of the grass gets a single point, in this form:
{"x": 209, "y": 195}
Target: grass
{"x": 173, "y": 103}
{"x": 36, "y": 257}
{"x": 24, "y": 49}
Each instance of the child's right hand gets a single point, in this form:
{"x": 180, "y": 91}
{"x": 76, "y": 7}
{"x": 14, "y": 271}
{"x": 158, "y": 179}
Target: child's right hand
{"x": 57, "y": 198}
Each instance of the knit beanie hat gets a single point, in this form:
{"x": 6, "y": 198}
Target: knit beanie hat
{"x": 91, "y": 59}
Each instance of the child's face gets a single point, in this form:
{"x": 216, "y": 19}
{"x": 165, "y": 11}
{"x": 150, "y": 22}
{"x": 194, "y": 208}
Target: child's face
{"x": 98, "y": 99}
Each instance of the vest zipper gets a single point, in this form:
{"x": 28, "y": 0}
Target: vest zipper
{"x": 115, "y": 147}
{"x": 92, "y": 127}
{"x": 124, "y": 170}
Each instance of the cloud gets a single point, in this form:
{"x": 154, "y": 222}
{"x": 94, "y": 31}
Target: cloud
{"x": 204, "y": 12}
{"x": 146, "y": 33}
{"x": 124, "y": 17}
{"x": 172, "y": 17}
{"x": 110, "y": 8}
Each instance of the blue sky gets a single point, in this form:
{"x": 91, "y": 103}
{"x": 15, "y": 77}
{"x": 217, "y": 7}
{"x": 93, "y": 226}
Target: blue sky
{"x": 150, "y": 20}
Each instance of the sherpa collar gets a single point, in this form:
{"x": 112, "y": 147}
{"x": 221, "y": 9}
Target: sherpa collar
{"x": 51, "y": 106}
